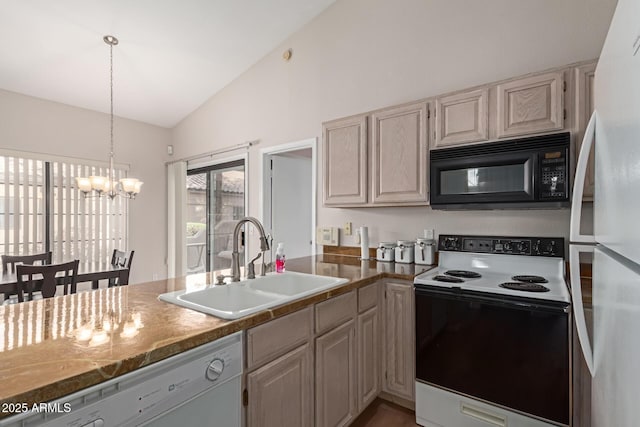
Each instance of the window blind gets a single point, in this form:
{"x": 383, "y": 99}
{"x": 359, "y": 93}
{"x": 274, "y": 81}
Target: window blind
{"x": 22, "y": 207}
{"x": 82, "y": 228}
{"x": 42, "y": 210}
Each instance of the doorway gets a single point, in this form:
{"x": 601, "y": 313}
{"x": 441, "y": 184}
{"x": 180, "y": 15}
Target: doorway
{"x": 215, "y": 203}
{"x": 289, "y": 196}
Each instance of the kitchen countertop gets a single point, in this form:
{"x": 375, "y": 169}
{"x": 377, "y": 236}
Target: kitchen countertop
{"x": 54, "y": 347}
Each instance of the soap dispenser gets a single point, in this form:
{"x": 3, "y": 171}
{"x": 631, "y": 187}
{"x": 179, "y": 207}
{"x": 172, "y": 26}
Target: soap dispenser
{"x": 280, "y": 258}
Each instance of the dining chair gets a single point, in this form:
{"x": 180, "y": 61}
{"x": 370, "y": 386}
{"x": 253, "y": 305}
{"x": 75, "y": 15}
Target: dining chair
{"x": 121, "y": 259}
{"x": 9, "y": 263}
{"x": 46, "y": 279}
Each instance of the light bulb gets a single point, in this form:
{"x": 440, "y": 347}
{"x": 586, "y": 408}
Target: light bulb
{"x": 98, "y": 182}
{"x": 84, "y": 184}
{"x": 129, "y": 185}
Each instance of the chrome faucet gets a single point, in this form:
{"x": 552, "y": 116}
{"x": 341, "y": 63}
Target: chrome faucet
{"x": 235, "y": 255}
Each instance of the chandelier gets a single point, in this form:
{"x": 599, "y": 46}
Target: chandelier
{"x": 98, "y": 186}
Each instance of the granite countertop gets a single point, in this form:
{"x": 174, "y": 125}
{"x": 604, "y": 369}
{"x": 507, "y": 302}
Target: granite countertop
{"x": 54, "y": 347}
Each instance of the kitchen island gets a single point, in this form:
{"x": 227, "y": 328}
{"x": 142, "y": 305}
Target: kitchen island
{"x": 51, "y": 348}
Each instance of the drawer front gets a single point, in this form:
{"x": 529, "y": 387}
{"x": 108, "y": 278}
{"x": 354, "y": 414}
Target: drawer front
{"x": 335, "y": 312}
{"x": 268, "y": 341}
{"x": 437, "y": 407}
{"x": 368, "y": 297}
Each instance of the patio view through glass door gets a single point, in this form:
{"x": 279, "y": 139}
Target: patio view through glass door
{"x": 215, "y": 202}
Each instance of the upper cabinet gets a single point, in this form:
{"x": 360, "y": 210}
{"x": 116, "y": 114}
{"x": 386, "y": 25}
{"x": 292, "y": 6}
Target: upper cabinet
{"x": 530, "y": 105}
{"x": 381, "y": 158}
{"x": 345, "y": 161}
{"x": 399, "y": 155}
{"x": 584, "y": 106}
{"x": 461, "y": 118}
{"x": 386, "y": 166}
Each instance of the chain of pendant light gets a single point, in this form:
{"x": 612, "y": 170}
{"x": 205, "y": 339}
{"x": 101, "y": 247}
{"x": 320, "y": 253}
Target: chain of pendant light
{"x": 112, "y": 41}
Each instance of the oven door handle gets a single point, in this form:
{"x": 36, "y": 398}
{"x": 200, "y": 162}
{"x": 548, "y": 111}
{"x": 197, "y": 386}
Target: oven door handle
{"x": 578, "y": 307}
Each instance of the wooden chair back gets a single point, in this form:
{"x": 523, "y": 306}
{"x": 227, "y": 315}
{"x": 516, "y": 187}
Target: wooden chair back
{"x": 9, "y": 262}
{"x": 121, "y": 259}
{"x": 46, "y": 279}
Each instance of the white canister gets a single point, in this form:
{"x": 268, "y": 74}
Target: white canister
{"x": 404, "y": 251}
{"x": 425, "y": 251}
{"x": 386, "y": 251}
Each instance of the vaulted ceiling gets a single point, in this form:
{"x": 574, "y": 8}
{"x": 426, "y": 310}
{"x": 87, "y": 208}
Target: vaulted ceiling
{"x": 173, "y": 55}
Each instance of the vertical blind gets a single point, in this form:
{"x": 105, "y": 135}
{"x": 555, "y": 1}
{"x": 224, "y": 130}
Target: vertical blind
{"x": 22, "y": 206}
{"x": 42, "y": 210}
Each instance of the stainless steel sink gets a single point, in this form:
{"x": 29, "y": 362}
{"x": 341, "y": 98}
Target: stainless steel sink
{"x": 239, "y": 299}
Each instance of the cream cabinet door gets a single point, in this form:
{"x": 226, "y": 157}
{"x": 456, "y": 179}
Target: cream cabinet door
{"x": 345, "y": 161}
{"x": 461, "y": 118}
{"x": 280, "y": 394}
{"x": 399, "y": 340}
{"x": 399, "y": 155}
{"x": 530, "y": 105}
{"x": 368, "y": 333}
{"x": 585, "y": 104}
{"x": 336, "y": 376}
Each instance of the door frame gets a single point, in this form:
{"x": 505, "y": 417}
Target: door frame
{"x": 265, "y": 182}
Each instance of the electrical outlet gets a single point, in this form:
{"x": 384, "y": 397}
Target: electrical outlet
{"x": 428, "y": 233}
{"x": 347, "y": 229}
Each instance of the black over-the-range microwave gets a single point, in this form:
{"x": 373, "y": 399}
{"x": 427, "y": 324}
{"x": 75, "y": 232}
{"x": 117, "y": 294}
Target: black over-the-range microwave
{"x": 519, "y": 173}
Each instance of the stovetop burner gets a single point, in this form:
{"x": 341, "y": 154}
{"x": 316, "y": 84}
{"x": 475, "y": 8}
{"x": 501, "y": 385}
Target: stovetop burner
{"x": 448, "y": 279}
{"x": 530, "y": 279}
{"x": 527, "y": 287}
{"x": 463, "y": 273}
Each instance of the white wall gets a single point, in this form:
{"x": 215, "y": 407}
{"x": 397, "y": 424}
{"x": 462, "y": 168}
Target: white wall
{"x": 364, "y": 54}
{"x": 40, "y": 126}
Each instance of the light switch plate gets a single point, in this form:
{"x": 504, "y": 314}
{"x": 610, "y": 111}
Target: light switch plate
{"x": 347, "y": 229}
{"x": 327, "y": 236}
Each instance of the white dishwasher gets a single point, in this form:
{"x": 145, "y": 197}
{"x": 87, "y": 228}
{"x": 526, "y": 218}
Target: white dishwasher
{"x": 200, "y": 387}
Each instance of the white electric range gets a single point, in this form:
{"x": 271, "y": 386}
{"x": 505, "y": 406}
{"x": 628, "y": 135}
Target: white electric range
{"x": 493, "y": 329}
{"x": 525, "y": 276}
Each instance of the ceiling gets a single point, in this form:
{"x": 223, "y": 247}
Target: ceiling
{"x": 173, "y": 55}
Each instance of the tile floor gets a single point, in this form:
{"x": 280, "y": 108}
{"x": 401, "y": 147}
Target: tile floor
{"x": 385, "y": 414}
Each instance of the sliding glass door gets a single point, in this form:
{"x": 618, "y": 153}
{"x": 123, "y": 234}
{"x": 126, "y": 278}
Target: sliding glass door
{"x": 215, "y": 203}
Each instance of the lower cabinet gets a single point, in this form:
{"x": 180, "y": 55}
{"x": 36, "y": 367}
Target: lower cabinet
{"x": 280, "y": 394}
{"x": 336, "y": 376}
{"x": 368, "y": 357}
{"x": 320, "y": 366}
{"x": 399, "y": 342}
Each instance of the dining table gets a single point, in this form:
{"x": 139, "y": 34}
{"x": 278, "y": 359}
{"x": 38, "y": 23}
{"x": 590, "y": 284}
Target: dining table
{"x": 87, "y": 272}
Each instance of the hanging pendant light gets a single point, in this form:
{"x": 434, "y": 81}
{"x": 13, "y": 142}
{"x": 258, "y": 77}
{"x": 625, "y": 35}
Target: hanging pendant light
{"x": 98, "y": 186}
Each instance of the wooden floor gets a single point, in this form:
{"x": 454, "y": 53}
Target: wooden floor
{"x": 385, "y": 414}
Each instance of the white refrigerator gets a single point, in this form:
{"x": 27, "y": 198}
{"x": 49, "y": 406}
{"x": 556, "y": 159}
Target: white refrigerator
{"x": 614, "y": 355}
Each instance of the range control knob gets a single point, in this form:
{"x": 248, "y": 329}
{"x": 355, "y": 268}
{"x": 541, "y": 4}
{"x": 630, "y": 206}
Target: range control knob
{"x": 551, "y": 248}
{"x": 507, "y": 246}
{"x": 522, "y": 247}
{"x": 536, "y": 247}
{"x": 451, "y": 243}
{"x": 215, "y": 368}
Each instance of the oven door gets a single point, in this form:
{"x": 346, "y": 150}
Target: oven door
{"x": 493, "y": 178}
{"x": 510, "y": 352}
